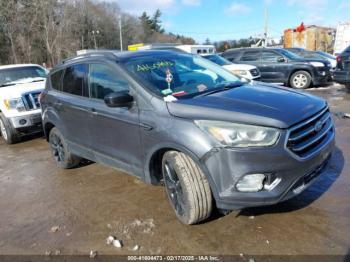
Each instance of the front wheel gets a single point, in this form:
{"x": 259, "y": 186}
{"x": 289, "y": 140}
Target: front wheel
{"x": 7, "y": 132}
{"x": 300, "y": 80}
{"x": 60, "y": 151}
{"x": 187, "y": 188}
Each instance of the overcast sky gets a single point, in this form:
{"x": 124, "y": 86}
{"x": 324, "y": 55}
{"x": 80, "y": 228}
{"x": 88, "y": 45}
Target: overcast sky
{"x": 227, "y": 19}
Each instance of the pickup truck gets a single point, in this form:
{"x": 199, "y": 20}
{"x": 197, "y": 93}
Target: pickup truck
{"x": 20, "y": 88}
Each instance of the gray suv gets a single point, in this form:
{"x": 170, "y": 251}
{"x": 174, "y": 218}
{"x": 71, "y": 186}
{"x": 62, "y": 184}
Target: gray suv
{"x": 184, "y": 122}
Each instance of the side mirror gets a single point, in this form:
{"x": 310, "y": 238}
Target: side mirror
{"x": 281, "y": 60}
{"x": 118, "y": 99}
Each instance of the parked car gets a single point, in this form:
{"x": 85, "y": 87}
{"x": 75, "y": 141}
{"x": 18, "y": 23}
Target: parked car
{"x": 246, "y": 71}
{"x": 281, "y": 66}
{"x": 342, "y": 72}
{"x": 314, "y": 54}
{"x": 178, "y": 119}
{"x": 20, "y": 113}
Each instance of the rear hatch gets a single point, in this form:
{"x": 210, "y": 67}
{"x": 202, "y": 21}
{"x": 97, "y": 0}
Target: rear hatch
{"x": 344, "y": 60}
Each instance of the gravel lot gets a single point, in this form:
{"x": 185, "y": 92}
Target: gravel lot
{"x": 47, "y": 210}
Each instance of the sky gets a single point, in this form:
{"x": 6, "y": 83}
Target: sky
{"x": 234, "y": 19}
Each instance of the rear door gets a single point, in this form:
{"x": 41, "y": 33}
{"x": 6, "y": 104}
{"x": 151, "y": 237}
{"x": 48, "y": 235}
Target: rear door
{"x": 72, "y": 105}
{"x": 274, "y": 67}
{"x": 115, "y": 132}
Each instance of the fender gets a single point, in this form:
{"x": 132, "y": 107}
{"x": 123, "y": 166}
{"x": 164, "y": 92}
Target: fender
{"x": 49, "y": 115}
{"x": 181, "y": 148}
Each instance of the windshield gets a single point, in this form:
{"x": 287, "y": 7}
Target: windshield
{"x": 325, "y": 55}
{"x": 179, "y": 75}
{"x": 17, "y": 74}
{"x": 289, "y": 54}
{"x": 218, "y": 60}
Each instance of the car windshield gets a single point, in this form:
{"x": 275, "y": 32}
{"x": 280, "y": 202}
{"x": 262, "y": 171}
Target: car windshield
{"x": 180, "y": 75}
{"x": 289, "y": 54}
{"x": 218, "y": 60}
{"x": 325, "y": 54}
{"x": 12, "y": 76}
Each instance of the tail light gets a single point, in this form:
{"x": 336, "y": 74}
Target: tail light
{"x": 338, "y": 58}
{"x": 41, "y": 97}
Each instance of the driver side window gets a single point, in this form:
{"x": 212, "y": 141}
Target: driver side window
{"x": 104, "y": 80}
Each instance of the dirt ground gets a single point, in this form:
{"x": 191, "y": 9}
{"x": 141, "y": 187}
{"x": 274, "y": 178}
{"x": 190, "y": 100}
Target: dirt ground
{"x": 47, "y": 210}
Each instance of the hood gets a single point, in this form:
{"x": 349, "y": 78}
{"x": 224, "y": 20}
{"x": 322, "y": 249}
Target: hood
{"x": 16, "y": 91}
{"x": 239, "y": 67}
{"x": 256, "y": 104}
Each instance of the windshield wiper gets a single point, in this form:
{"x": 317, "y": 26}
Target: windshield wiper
{"x": 220, "y": 87}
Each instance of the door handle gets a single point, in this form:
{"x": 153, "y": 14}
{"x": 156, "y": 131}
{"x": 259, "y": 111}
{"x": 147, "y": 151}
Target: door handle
{"x": 146, "y": 126}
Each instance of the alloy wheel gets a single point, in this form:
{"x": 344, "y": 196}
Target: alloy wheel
{"x": 174, "y": 189}
{"x": 300, "y": 80}
{"x": 57, "y": 148}
{"x": 3, "y": 130}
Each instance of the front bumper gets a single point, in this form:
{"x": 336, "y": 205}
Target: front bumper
{"x": 226, "y": 166}
{"x": 341, "y": 77}
{"x": 26, "y": 122}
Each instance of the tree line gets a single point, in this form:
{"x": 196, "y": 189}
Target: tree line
{"x": 46, "y": 31}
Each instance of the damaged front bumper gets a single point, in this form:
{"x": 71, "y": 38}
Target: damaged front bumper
{"x": 286, "y": 174}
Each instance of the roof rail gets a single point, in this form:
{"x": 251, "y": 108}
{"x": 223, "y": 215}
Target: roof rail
{"x": 94, "y": 53}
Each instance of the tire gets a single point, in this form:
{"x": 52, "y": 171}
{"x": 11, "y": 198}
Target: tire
{"x": 187, "y": 188}
{"x": 60, "y": 151}
{"x": 8, "y": 133}
{"x": 300, "y": 80}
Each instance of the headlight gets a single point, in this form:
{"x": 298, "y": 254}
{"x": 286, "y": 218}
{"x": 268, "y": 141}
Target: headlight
{"x": 15, "y": 103}
{"x": 317, "y": 64}
{"x": 239, "y": 72}
{"x": 238, "y": 135}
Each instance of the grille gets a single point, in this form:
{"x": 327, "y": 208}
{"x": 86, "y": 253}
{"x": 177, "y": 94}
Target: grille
{"x": 254, "y": 72}
{"x": 310, "y": 136}
{"x": 31, "y": 100}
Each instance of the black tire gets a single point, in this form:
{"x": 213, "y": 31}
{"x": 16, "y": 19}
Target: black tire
{"x": 8, "y": 133}
{"x": 60, "y": 151}
{"x": 300, "y": 80}
{"x": 187, "y": 188}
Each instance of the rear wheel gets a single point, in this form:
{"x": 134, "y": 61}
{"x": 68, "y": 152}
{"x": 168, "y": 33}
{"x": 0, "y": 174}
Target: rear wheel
{"x": 9, "y": 134}
{"x": 187, "y": 188}
{"x": 63, "y": 157}
{"x": 300, "y": 80}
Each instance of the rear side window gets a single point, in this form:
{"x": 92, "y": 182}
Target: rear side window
{"x": 74, "y": 80}
{"x": 252, "y": 56}
{"x": 105, "y": 80}
{"x": 347, "y": 49}
{"x": 231, "y": 56}
{"x": 56, "y": 80}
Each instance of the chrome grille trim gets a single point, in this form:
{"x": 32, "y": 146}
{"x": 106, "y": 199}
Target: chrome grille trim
{"x": 304, "y": 141}
{"x": 31, "y": 101}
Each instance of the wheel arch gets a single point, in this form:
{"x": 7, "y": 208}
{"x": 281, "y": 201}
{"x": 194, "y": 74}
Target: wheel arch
{"x": 308, "y": 70}
{"x": 153, "y": 166}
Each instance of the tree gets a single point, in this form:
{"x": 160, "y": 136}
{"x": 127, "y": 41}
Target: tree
{"x": 207, "y": 41}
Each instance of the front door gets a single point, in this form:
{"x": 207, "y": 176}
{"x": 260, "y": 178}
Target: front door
{"x": 273, "y": 67}
{"x": 115, "y": 132}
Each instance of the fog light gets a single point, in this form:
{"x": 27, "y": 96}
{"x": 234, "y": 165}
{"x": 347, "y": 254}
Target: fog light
{"x": 22, "y": 122}
{"x": 251, "y": 183}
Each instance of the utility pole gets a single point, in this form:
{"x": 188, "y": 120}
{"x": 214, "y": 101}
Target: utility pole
{"x": 120, "y": 33}
{"x": 266, "y": 26}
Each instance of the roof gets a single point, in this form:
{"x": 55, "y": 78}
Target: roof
{"x": 113, "y": 55}
{"x": 17, "y": 65}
